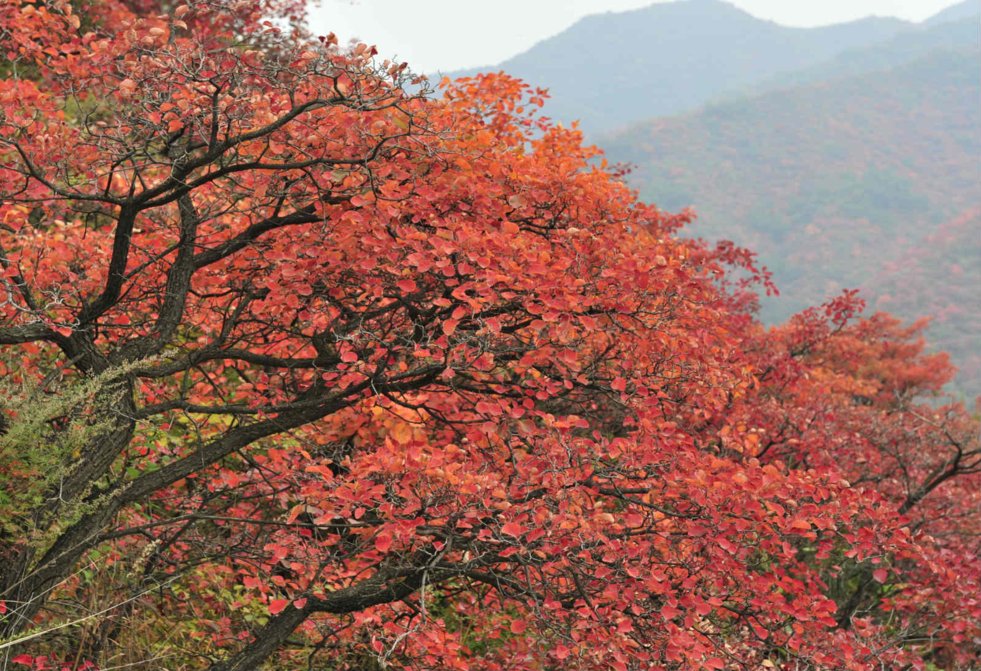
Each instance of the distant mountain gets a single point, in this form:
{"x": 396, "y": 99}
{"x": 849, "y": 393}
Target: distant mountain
{"x": 956, "y": 32}
{"x": 829, "y": 181}
{"x": 969, "y": 9}
{"x": 612, "y": 69}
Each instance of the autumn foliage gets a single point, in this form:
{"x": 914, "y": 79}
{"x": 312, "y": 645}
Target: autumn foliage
{"x": 305, "y": 366}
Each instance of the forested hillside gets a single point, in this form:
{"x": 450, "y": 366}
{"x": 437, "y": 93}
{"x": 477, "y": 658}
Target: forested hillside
{"x": 940, "y": 276}
{"x": 829, "y": 181}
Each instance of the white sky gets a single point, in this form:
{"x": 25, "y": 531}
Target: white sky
{"x": 451, "y": 34}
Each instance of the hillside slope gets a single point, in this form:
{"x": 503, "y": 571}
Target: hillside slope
{"x": 966, "y": 9}
{"x": 941, "y": 277}
{"x": 829, "y": 181}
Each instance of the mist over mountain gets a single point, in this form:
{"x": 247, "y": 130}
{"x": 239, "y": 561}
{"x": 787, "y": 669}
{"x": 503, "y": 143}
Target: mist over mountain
{"x": 608, "y": 70}
{"x": 967, "y": 9}
{"x": 933, "y": 35}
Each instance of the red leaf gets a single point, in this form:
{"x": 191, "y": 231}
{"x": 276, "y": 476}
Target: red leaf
{"x": 512, "y": 529}
{"x": 518, "y": 626}
{"x": 880, "y": 575}
{"x": 277, "y": 606}
{"x": 801, "y": 525}
{"x": 449, "y": 326}
{"x": 383, "y": 541}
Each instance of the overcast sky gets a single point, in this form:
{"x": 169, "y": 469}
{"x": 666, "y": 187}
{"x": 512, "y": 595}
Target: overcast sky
{"x": 451, "y": 34}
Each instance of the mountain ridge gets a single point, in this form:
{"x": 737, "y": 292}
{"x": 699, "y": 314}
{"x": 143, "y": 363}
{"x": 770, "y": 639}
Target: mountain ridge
{"x": 672, "y": 57}
{"x": 960, "y": 33}
{"x": 962, "y": 10}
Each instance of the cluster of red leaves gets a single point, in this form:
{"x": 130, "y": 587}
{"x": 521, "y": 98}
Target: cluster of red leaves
{"x": 44, "y": 663}
{"x": 419, "y": 381}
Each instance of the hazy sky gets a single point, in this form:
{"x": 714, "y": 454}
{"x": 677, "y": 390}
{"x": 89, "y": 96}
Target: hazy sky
{"x": 450, "y": 34}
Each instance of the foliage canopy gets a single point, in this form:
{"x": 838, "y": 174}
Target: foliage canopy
{"x": 306, "y": 369}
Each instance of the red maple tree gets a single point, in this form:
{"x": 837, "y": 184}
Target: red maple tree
{"x": 307, "y": 366}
